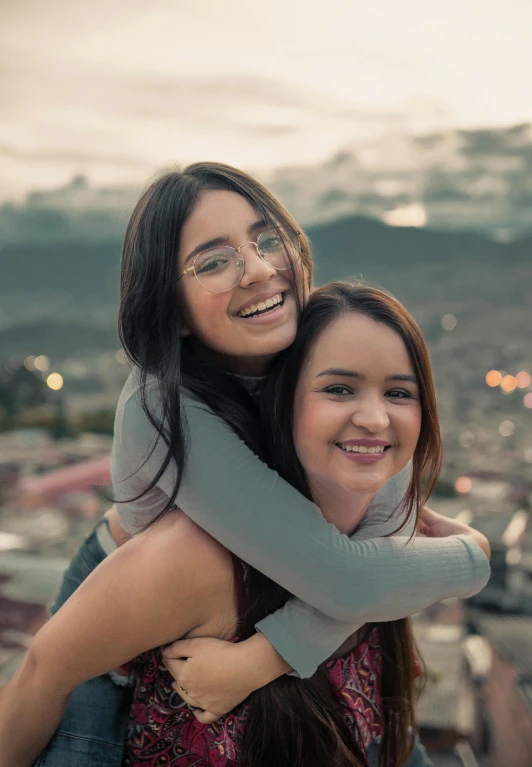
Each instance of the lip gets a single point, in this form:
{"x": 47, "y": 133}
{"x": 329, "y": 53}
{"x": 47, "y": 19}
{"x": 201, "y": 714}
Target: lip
{"x": 273, "y": 317}
{"x": 363, "y": 457}
{"x": 261, "y": 297}
{"x": 366, "y": 442}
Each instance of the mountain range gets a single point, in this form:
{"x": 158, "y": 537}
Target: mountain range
{"x": 62, "y": 296}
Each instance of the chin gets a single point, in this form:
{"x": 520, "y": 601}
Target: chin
{"x": 365, "y": 489}
{"x": 367, "y": 485}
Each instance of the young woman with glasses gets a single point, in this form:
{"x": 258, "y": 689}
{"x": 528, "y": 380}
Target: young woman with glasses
{"x": 202, "y": 318}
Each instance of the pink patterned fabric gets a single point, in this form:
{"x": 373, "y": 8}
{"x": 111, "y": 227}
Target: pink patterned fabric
{"x": 164, "y": 732}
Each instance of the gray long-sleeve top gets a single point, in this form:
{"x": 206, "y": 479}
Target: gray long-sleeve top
{"x": 339, "y": 583}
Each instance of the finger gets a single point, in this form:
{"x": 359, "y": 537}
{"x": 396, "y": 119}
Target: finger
{"x": 431, "y": 516}
{"x": 175, "y": 666}
{"x": 186, "y": 697}
{"x": 206, "y": 717}
{"x": 181, "y": 648}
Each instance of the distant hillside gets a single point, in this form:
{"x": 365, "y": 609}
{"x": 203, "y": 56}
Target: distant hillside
{"x": 68, "y": 291}
{"x": 88, "y": 270}
{"x": 355, "y": 243}
{"x": 431, "y": 272}
{"x": 58, "y": 339}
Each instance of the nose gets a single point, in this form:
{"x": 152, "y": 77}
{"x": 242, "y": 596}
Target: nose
{"x": 256, "y": 269}
{"x": 371, "y": 414}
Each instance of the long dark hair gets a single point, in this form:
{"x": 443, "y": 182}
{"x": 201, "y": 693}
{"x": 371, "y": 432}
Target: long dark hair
{"x": 151, "y": 317}
{"x": 150, "y": 324}
{"x": 300, "y": 722}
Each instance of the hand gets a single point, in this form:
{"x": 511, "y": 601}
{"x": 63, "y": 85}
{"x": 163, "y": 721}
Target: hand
{"x": 215, "y": 675}
{"x": 435, "y": 525}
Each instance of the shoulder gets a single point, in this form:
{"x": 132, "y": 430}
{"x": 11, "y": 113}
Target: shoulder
{"x": 130, "y": 396}
{"x": 176, "y": 544}
{"x": 130, "y": 400}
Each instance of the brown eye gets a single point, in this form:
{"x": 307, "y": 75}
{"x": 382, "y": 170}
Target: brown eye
{"x": 399, "y": 394}
{"x": 338, "y": 389}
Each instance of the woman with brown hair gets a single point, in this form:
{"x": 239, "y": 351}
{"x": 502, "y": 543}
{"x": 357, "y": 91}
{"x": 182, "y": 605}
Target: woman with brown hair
{"x": 214, "y": 275}
{"x": 346, "y": 409}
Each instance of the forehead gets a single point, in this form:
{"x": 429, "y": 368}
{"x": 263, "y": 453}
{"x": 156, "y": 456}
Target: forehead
{"x": 358, "y": 342}
{"x": 218, "y": 213}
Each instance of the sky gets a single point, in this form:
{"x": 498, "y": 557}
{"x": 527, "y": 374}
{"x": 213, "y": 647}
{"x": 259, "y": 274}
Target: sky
{"x": 116, "y": 90}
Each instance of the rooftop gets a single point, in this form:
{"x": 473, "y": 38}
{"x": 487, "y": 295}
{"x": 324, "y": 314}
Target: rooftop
{"x": 511, "y": 637}
{"x": 446, "y": 702}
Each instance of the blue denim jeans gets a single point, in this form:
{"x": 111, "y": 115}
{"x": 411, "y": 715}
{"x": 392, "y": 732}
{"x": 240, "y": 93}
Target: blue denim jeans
{"x": 93, "y": 730}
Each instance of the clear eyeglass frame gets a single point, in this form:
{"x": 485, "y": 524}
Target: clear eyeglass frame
{"x": 290, "y": 235}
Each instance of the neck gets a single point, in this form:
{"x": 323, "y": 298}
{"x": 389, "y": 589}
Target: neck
{"x": 344, "y": 510}
{"x": 256, "y": 365}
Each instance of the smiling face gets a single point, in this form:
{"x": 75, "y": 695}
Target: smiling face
{"x": 357, "y": 411}
{"x": 242, "y": 344}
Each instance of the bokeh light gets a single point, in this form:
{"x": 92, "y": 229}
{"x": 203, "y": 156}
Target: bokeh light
{"x": 120, "y": 357}
{"x": 55, "y": 381}
{"x": 463, "y": 485}
{"x": 448, "y": 322}
{"x": 527, "y": 400}
{"x": 523, "y": 379}
{"x": 493, "y": 378}
{"x": 41, "y": 363}
{"x": 406, "y": 215}
{"x": 509, "y": 383}
{"x": 506, "y": 428}
{"x": 29, "y": 362}
{"x": 466, "y": 438}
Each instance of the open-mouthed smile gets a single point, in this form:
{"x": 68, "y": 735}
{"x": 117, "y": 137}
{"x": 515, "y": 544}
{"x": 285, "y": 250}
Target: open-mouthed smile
{"x": 364, "y": 453}
{"x": 252, "y": 310}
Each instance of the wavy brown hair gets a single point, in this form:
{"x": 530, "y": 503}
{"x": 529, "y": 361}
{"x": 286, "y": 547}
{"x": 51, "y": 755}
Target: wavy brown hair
{"x": 300, "y": 723}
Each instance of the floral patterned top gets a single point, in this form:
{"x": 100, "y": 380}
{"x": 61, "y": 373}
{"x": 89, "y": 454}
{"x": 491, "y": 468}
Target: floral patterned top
{"x": 163, "y": 731}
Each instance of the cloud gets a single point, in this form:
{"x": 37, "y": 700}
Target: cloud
{"x": 514, "y": 140}
{"x": 93, "y": 122}
{"x": 67, "y": 157}
{"x": 442, "y": 186}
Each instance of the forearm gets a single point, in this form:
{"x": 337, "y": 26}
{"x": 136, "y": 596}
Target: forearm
{"x": 30, "y": 713}
{"x": 302, "y": 637}
{"x": 305, "y": 637}
{"x": 262, "y": 661}
{"x": 240, "y": 502}
{"x": 255, "y": 514}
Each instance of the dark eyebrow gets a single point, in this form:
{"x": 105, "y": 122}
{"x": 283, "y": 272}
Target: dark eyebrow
{"x": 217, "y": 241}
{"x": 339, "y": 372}
{"x": 402, "y": 377}
{"x": 353, "y": 374}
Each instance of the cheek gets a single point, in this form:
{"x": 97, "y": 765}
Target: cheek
{"x": 304, "y": 429}
{"x": 411, "y": 428}
{"x": 313, "y": 430}
{"x": 204, "y": 312}
{"x": 300, "y": 424}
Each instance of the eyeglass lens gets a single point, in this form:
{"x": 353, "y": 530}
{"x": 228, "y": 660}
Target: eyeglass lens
{"x": 220, "y": 269}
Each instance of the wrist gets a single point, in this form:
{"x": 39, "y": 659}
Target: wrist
{"x": 263, "y": 662}
{"x": 482, "y": 542}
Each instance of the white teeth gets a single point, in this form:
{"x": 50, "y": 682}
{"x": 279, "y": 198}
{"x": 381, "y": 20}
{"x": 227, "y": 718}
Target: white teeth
{"x": 361, "y": 448}
{"x": 261, "y": 306}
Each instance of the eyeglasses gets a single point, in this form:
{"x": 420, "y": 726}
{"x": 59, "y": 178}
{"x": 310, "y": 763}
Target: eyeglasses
{"x": 220, "y": 269}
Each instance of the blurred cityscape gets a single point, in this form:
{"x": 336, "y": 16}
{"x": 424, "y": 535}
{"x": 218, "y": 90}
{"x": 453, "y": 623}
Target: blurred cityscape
{"x": 61, "y": 372}
{"x": 399, "y": 135}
